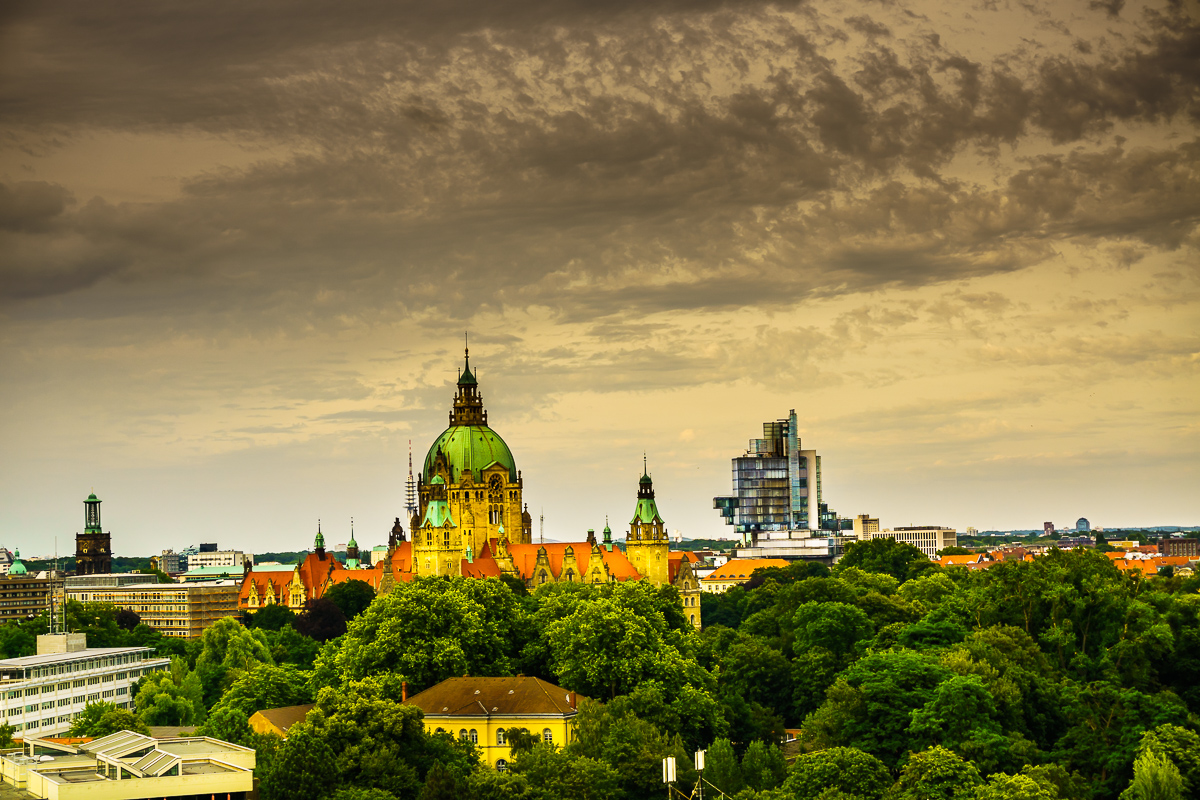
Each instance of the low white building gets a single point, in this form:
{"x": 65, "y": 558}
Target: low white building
{"x": 130, "y": 766}
{"x": 219, "y": 558}
{"x": 929, "y": 539}
{"x": 41, "y": 695}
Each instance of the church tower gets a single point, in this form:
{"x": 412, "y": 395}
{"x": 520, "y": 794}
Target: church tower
{"x": 93, "y": 547}
{"x": 646, "y": 545}
{"x": 481, "y": 484}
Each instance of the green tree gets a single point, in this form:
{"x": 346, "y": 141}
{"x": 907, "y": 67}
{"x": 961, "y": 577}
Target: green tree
{"x": 763, "y": 766}
{"x": 1001, "y": 786}
{"x": 756, "y": 671}
{"x": 845, "y": 769}
{"x": 228, "y": 725}
{"x": 352, "y": 597}
{"x": 603, "y": 650}
{"x": 16, "y": 642}
{"x": 835, "y": 627}
{"x": 870, "y": 705}
{"x": 321, "y": 620}
{"x": 359, "y": 793}
{"x": 267, "y": 686}
{"x": 936, "y": 774}
{"x": 102, "y": 718}
{"x": 175, "y": 697}
{"x": 886, "y": 556}
{"x": 6, "y": 735}
{"x": 429, "y": 630}
{"x": 300, "y": 768}
{"x": 439, "y": 784}
{"x": 289, "y": 646}
{"x": 721, "y": 767}
{"x": 545, "y": 773}
{"x": 271, "y": 617}
{"x": 229, "y": 651}
{"x": 1154, "y": 778}
{"x": 1182, "y": 747}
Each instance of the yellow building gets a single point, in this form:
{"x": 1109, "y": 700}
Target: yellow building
{"x": 174, "y": 609}
{"x": 480, "y": 485}
{"x": 736, "y": 572}
{"x": 484, "y": 711}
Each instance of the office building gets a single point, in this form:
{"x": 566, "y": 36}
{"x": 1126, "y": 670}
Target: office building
{"x": 171, "y": 562}
{"x": 6, "y": 560}
{"x": 777, "y": 486}
{"x": 42, "y": 694}
{"x": 218, "y": 558}
{"x": 182, "y": 610}
{"x": 929, "y": 539}
{"x": 864, "y": 524}
{"x": 777, "y": 503}
{"x": 1179, "y": 547}
{"x": 24, "y": 595}
{"x": 1082, "y": 525}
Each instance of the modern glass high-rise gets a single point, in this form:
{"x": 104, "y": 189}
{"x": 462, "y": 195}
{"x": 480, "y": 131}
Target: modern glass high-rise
{"x": 777, "y": 486}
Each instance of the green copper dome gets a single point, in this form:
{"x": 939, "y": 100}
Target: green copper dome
{"x": 17, "y": 567}
{"x": 470, "y": 447}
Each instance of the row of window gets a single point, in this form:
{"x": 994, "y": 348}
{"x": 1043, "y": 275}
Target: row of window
{"x": 472, "y": 735}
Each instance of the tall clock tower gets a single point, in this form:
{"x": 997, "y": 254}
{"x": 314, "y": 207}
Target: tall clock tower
{"x": 93, "y": 547}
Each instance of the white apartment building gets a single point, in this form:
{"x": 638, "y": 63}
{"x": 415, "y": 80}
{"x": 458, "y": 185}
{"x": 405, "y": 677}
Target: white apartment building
{"x": 926, "y": 538}
{"x": 218, "y": 558}
{"x": 40, "y": 695}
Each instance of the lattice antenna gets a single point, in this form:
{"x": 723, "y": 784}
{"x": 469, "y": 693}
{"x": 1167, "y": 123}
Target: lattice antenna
{"x": 410, "y": 489}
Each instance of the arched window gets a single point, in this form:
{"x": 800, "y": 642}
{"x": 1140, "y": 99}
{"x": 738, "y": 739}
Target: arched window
{"x": 542, "y": 577}
{"x": 429, "y": 537}
{"x": 692, "y": 619}
{"x": 570, "y": 576}
{"x": 463, "y": 734}
{"x": 440, "y": 730}
{"x": 500, "y": 738}
{"x": 548, "y": 736}
{"x": 474, "y": 736}
{"x": 502, "y": 765}
{"x": 446, "y": 538}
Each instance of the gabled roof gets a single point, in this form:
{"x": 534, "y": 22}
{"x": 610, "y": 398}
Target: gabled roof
{"x": 474, "y": 697}
{"x": 285, "y": 717}
{"x": 524, "y": 558}
{"x": 960, "y": 561}
{"x": 743, "y": 568}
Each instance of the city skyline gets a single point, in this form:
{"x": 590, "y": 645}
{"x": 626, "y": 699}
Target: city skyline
{"x": 237, "y": 260}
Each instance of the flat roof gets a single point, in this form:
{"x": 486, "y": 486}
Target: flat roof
{"x": 203, "y": 768}
{"x": 53, "y": 658}
{"x": 197, "y": 746}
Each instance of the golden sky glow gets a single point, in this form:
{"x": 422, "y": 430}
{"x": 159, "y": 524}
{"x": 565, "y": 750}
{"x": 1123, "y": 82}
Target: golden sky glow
{"x": 239, "y": 244}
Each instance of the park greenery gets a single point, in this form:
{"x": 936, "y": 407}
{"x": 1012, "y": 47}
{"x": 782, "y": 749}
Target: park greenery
{"x": 1060, "y": 678}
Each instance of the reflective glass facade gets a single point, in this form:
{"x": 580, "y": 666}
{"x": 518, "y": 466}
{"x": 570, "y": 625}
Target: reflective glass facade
{"x": 776, "y": 485}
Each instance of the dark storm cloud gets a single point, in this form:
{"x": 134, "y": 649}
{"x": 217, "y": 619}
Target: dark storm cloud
{"x": 594, "y": 159}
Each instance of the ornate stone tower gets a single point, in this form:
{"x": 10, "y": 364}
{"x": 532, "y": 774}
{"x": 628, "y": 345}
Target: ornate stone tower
{"x": 646, "y": 545}
{"x": 480, "y": 480}
{"x": 93, "y": 547}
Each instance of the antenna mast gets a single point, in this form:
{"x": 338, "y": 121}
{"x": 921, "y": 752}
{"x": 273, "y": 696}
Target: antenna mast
{"x": 410, "y": 490}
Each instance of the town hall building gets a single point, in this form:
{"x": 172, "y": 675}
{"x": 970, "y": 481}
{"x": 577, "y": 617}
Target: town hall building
{"x": 471, "y": 521}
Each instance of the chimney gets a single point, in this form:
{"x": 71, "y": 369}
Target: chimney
{"x": 403, "y": 691}
{"x": 573, "y": 699}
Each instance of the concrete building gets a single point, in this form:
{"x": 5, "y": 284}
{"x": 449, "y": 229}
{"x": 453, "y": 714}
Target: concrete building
{"x": 6, "y": 560}
{"x": 130, "y": 766}
{"x": 1082, "y": 525}
{"x": 218, "y": 558}
{"x": 865, "y": 524}
{"x": 42, "y": 694}
{"x": 171, "y": 562}
{"x": 174, "y": 609}
{"x": 929, "y": 539}
{"x": 1179, "y": 547}
{"x": 24, "y": 595}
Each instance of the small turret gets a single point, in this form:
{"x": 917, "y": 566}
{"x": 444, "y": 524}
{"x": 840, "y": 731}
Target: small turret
{"x": 352, "y": 560}
{"x": 319, "y": 542}
{"x": 608, "y": 542}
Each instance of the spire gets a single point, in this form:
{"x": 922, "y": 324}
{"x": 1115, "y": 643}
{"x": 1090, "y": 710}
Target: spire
{"x": 645, "y": 482}
{"x": 467, "y": 378}
{"x": 352, "y": 543}
{"x": 410, "y": 488}
{"x": 319, "y": 542}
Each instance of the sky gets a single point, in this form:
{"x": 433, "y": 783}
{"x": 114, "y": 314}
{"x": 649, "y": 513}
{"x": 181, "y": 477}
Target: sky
{"x": 241, "y": 243}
